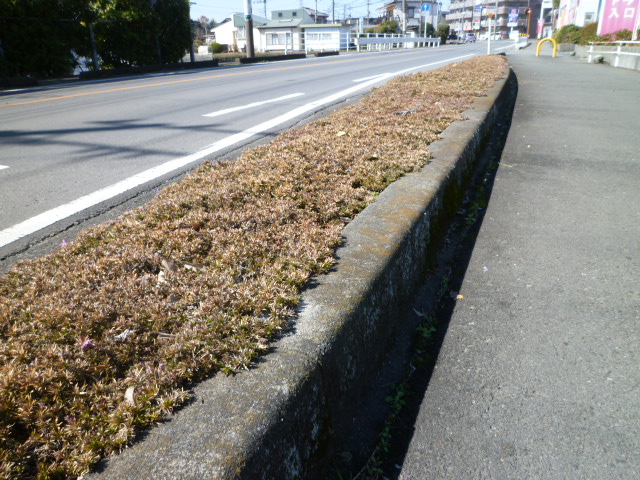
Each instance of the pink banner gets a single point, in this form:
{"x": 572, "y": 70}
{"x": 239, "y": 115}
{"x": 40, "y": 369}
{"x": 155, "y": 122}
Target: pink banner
{"x": 618, "y": 15}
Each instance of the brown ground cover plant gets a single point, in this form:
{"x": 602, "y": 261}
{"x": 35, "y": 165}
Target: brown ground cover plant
{"x": 98, "y": 339}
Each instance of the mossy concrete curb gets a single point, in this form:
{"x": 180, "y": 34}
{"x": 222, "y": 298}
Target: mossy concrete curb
{"x": 289, "y": 415}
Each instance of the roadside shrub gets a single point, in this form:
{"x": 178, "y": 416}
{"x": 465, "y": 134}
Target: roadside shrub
{"x": 215, "y": 47}
{"x": 589, "y": 33}
{"x": 563, "y": 35}
{"x": 623, "y": 34}
{"x": 443, "y": 32}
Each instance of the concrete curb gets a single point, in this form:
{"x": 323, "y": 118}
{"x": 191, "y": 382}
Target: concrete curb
{"x": 167, "y": 67}
{"x": 271, "y": 58}
{"x": 287, "y": 417}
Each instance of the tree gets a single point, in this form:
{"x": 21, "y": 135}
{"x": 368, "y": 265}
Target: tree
{"x": 443, "y": 32}
{"x": 39, "y": 37}
{"x": 427, "y": 28}
{"x": 388, "y": 26}
{"x": 142, "y": 32}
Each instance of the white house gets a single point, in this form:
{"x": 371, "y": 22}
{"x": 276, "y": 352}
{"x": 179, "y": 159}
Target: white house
{"x": 232, "y": 32}
{"x": 285, "y": 29}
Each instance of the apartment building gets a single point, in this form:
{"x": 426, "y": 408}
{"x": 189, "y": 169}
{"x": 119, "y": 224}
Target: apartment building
{"x": 512, "y": 18}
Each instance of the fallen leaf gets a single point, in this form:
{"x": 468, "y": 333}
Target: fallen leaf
{"x": 194, "y": 266}
{"x": 169, "y": 265}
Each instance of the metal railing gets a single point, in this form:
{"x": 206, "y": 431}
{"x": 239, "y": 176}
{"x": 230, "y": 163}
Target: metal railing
{"x": 393, "y": 40}
{"x": 346, "y": 41}
{"x": 614, "y": 48}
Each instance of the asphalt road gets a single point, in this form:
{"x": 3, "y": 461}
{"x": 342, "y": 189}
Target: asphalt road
{"x": 74, "y": 152}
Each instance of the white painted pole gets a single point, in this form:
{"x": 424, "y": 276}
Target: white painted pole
{"x": 489, "y": 37}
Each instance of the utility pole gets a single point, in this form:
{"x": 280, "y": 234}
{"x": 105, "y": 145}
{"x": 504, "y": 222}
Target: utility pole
{"x": 248, "y": 27}
{"x": 368, "y": 14}
{"x": 191, "y": 54}
{"x": 404, "y": 17}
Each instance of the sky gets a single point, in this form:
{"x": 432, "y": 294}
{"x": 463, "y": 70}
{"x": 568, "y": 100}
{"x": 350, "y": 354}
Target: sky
{"x": 218, "y": 10}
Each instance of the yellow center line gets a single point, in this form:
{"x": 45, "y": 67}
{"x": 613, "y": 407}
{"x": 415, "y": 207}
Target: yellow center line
{"x": 173, "y": 82}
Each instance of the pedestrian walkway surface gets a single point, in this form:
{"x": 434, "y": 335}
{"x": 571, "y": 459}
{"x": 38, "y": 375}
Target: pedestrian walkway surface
{"x": 539, "y": 373}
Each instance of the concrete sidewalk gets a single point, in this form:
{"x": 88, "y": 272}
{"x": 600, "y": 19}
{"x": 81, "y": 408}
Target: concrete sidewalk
{"x": 539, "y": 373}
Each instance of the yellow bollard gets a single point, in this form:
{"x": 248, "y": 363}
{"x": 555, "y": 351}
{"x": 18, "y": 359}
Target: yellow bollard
{"x": 552, "y": 40}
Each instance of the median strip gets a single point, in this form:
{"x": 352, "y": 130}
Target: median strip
{"x": 100, "y": 337}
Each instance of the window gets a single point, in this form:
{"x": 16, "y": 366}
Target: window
{"x": 279, "y": 14}
{"x": 278, "y": 38}
{"x": 294, "y": 14}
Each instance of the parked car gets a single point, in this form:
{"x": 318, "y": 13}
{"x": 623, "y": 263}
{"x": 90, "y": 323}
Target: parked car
{"x": 452, "y": 38}
{"x": 469, "y": 37}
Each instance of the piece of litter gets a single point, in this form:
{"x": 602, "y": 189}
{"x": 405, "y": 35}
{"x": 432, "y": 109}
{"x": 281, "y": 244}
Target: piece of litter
{"x": 121, "y": 337}
{"x": 459, "y": 297}
{"x": 128, "y": 395}
{"x": 420, "y": 314}
{"x": 485, "y": 269}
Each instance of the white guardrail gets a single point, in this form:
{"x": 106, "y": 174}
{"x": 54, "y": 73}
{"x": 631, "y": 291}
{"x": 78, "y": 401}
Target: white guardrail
{"x": 334, "y": 41}
{"x": 612, "y": 48}
{"x": 389, "y": 42}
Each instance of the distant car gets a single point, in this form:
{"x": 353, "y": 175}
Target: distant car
{"x": 469, "y": 37}
{"x": 453, "y": 37}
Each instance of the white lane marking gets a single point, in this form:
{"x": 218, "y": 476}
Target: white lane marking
{"x": 54, "y": 215}
{"x": 251, "y": 105}
{"x": 2, "y": 167}
{"x": 357, "y": 80}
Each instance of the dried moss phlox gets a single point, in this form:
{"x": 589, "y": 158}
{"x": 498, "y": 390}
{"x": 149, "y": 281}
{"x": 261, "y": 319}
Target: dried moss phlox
{"x": 98, "y": 338}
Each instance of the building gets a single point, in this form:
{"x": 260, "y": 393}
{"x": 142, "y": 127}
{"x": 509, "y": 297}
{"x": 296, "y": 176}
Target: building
{"x": 232, "y": 32}
{"x": 579, "y": 13}
{"x": 616, "y": 15}
{"x": 285, "y": 29}
{"x": 409, "y": 18}
{"x": 512, "y": 18}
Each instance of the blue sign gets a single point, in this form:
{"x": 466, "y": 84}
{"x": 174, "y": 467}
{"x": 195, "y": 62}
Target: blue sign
{"x": 426, "y": 7}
